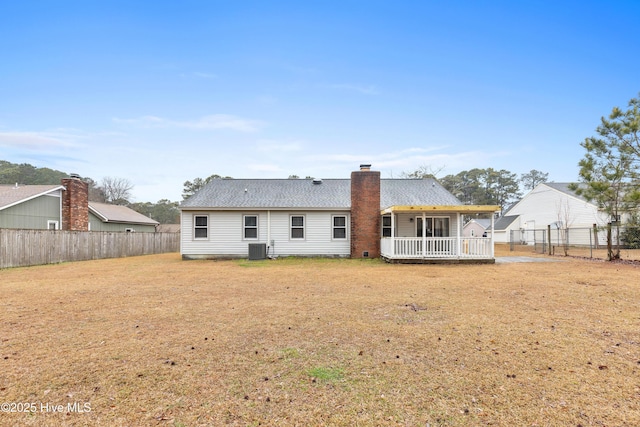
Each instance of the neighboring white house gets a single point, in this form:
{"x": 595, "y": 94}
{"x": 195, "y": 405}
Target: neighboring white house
{"x": 549, "y": 204}
{"x": 365, "y": 216}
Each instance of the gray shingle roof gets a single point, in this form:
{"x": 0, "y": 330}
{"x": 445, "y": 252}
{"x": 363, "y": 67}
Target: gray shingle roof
{"x": 11, "y": 195}
{"x": 415, "y": 192}
{"x": 504, "y": 222}
{"x": 122, "y": 214}
{"x": 304, "y": 194}
{"x": 564, "y": 188}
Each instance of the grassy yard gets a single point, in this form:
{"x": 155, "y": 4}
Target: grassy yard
{"x": 158, "y": 341}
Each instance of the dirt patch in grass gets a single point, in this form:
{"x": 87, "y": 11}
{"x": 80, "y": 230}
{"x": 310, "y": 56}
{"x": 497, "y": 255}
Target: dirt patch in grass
{"x": 156, "y": 340}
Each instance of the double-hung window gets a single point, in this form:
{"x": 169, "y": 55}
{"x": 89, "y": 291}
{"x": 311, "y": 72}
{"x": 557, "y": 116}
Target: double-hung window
{"x": 250, "y": 227}
{"x": 339, "y": 227}
{"x": 297, "y": 227}
{"x": 386, "y": 226}
{"x": 200, "y": 226}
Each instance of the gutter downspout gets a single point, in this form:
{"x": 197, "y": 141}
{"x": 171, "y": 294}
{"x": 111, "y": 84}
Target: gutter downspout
{"x": 269, "y": 246}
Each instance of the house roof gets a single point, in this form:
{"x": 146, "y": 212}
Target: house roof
{"x": 504, "y": 222}
{"x": 120, "y": 214}
{"x": 11, "y": 195}
{"x": 311, "y": 194}
{"x": 564, "y": 188}
{"x": 482, "y": 222}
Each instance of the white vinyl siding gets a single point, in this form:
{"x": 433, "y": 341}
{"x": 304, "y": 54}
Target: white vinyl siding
{"x": 226, "y": 234}
{"x": 545, "y": 205}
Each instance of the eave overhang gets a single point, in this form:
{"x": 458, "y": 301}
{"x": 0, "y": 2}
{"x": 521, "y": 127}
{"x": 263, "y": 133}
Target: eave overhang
{"x": 464, "y": 209}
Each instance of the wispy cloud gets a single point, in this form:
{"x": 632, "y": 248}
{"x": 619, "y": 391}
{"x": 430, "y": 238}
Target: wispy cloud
{"x": 264, "y": 167}
{"x": 210, "y": 122}
{"x": 410, "y": 159}
{"x": 272, "y": 146}
{"x": 37, "y": 140}
{"x": 358, "y": 88}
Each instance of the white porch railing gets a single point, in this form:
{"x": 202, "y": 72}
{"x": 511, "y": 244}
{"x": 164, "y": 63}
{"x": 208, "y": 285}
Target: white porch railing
{"x": 436, "y": 247}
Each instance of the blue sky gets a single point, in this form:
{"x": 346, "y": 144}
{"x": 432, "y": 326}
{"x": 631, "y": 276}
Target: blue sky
{"x": 160, "y": 92}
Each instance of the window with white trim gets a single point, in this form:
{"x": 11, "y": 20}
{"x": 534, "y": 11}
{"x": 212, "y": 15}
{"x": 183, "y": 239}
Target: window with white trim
{"x": 200, "y": 227}
{"x": 297, "y": 227}
{"x": 250, "y": 226}
{"x": 52, "y": 225}
{"x": 339, "y": 227}
{"x": 386, "y": 226}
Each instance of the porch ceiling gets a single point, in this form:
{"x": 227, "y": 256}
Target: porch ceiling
{"x": 440, "y": 208}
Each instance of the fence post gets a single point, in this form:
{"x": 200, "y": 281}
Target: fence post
{"x": 609, "y": 243}
{"x": 549, "y": 237}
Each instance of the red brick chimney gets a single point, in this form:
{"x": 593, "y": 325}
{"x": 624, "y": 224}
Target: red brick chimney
{"x": 75, "y": 204}
{"x": 365, "y": 213}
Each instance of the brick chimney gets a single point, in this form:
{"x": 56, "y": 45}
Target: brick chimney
{"x": 75, "y": 204}
{"x": 365, "y": 213}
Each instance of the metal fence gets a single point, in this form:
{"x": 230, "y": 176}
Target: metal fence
{"x": 19, "y": 248}
{"x": 593, "y": 242}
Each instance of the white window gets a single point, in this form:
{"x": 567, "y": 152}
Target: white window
{"x": 339, "y": 227}
{"x": 386, "y": 226}
{"x": 52, "y": 225}
{"x": 250, "y": 227}
{"x": 200, "y": 226}
{"x": 129, "y": 230}
{"x": 297, "y": 227}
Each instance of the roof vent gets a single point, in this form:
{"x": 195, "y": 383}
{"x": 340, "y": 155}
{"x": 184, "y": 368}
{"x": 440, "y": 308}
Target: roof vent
{"x": 317, "y": 181}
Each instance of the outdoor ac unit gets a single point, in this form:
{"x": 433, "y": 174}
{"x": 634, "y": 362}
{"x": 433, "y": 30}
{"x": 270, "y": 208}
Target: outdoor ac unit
{"x": 257, "y": 251}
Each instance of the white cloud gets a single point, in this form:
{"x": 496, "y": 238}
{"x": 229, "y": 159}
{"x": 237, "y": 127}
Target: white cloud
{"x": 36, "y": 140}
{"x": 264, "y": 167}
{"x": 210, "y": 122}
{"x": 271, "y": 146}
{"x": 407, "y": 160}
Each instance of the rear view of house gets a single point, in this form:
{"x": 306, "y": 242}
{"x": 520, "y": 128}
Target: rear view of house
{"x": 400, "y": 220}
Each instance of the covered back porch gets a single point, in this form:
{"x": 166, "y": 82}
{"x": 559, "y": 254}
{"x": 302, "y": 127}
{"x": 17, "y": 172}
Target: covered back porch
{"x": 433, "y": 234}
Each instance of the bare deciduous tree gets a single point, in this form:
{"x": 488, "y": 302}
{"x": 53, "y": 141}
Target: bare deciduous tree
{"x": 116, "y": 190}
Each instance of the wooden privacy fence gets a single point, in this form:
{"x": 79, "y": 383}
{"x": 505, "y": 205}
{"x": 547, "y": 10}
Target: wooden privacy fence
{"x": 19, "y": 248}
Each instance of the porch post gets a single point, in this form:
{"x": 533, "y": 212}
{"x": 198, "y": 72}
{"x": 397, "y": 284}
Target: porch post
{"x": 459, "y": 242}
{"x": 424, "y": 235}
{"x": 393, "y": 234}
{"x": 493, "y": 232}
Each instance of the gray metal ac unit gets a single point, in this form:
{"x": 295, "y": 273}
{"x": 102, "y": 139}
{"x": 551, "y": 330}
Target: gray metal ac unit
{"x": 257, "y": 251}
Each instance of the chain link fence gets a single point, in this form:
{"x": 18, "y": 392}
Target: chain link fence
{"x": 608, "y": 242}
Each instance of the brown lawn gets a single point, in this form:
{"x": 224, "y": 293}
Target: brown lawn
{"x": 162, "y": 342}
